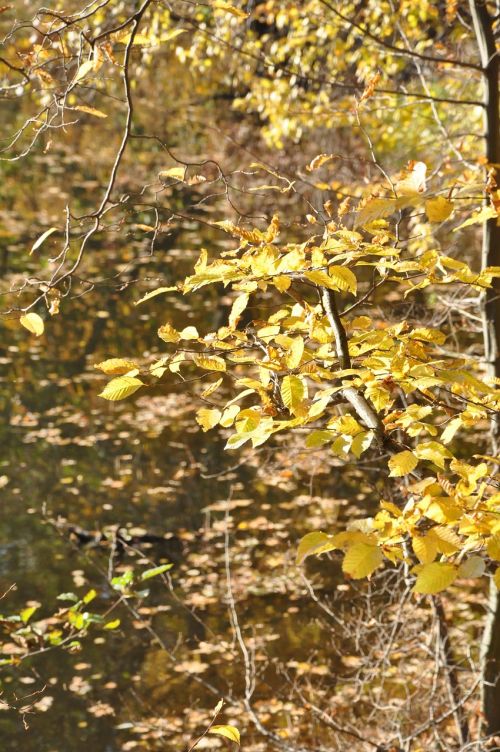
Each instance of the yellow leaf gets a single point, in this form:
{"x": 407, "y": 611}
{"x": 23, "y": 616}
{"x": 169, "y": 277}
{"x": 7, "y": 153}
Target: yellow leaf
{"x": 221, "y": 5}
{"x": 237, "y": 309}
{"x": 230, "y": 732}
{"x": 176, "y": 173}
{"x": 41, "y": 239}
{"x": 293, "y": 393}
{"x": 83, "y": 70}
{"x": 318, "y": 161}
{"x": 361, "y": 560}
{"x": 207, "y": 419}
{"x": 154, "y": 293}
{"x": 295, "y": 352}
{"x": 116, "y": 366}
{"x": 438, "y": 209}
{"x": 435, "y": 577}
{"x": 120, "y": 388}
{"x": 210, "y": 362}
{"x": 434, "y": 452}
{"x": 493, "y": 547}
{"x": 425, "y": 548}
{"x": 314, "y": 543}
{"x": 90, "y": 111}
{"x": 33, "y": 323}
{"x": 343, "y": 279}
{"x": 212, "y": 388}
{"x": 189, "y": 333}
{"x": 480, "y": 216}
{"x": 496, "y": 578}
{"x": 168, "y": 334}
{"x": 402, "y": 463}
{"x": 414, "y": 182}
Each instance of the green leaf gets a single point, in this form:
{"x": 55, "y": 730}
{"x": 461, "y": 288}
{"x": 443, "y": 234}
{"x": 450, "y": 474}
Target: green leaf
{"x": 155, "y": 571}
{"x": 230, "y": 732}
{"x": 314, "y": 544}
{"x": 435, "y": 577}
{"x": 121, "y": 388}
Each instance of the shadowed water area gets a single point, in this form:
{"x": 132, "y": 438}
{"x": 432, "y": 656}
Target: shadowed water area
{"x": 75, "y": 468}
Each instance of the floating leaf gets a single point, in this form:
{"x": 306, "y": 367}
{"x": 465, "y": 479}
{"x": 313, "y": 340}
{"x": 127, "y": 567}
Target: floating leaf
{"x": 361, "y": 560}
{"x": 402, "y": 463}
{"x": 42, "y": 238}
{"x": 230, "y": 732}
{"x": 121, "y": 388}
{"x": 435, "y": 577}
{"x": 33, "y": 323}
{"x": 116, "y": 366}
{"x": 314, "y": 544}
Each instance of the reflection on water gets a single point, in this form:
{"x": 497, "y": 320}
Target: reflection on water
{"x": 72, "y": 462}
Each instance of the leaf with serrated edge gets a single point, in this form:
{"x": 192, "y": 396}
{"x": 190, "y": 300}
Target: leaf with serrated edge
{"x": 314, "y": 544}
{"x": 121, "y": 388}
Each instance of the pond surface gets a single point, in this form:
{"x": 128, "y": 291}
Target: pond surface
{"x": 71, "y": 459}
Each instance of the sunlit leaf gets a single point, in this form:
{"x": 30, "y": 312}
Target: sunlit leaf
{"x": 33, "y": 323}
{"x": 208, "y": 418}
{"x": 116, "y": 366}
{"x": 314, "y": 544}
{"x": 42, "y": 238}
{"x": 210, "y": 362}
{"x": 221, "y": 5}
{"x": 90, "y": 111}
{"x": 230, "y": 732}
{"x": 154, "y": 293}
{"x": 402, "y": 463}
{"x": 361, "y": 560}
{"x": 121, "y": 388}
{"x": 434, "y": 577}
{"x": 438, "y": 209}
{"x": 480, "y": 216}
{"x": 155, "y": 571}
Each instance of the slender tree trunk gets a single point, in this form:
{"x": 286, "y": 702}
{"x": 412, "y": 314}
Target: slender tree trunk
{"x": 483, "y": 28}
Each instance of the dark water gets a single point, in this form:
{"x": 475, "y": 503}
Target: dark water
{"x": 69, "y": 457}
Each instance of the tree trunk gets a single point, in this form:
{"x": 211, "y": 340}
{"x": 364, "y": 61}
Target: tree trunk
{"x": 483, "y": 28}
